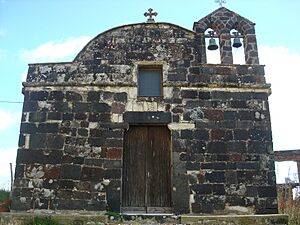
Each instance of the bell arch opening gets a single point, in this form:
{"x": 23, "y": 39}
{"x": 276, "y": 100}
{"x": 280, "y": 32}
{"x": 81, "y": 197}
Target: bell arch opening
{"x": 237, "y": 43}
{"x": 212, "y": 46}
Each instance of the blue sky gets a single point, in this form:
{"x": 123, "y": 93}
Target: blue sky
{"x": 56, "y": 30}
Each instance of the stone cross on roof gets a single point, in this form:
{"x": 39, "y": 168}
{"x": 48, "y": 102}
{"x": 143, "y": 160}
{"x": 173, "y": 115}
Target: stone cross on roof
{"x": 150, "y": 13}
{"x": 221, "y": 2}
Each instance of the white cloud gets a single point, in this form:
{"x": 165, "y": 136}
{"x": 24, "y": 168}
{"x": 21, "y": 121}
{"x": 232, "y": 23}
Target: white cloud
{"x": 283, "y": 73}
{"x": 8, "y": 119}
{"x": 55, "y": 50}
{"x": 8, "y": 155}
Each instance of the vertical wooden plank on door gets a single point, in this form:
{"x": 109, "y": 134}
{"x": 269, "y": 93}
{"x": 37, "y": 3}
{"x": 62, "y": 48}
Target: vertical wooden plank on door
{"x": 134, "y": 168}
{"x": 159, "y": 167}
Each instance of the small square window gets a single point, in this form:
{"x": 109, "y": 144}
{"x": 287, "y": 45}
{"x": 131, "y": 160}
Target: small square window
{"x": 150, "y": 82}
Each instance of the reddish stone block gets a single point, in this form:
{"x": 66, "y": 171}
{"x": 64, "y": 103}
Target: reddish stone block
{"x": 114, "y": 153}
{"x": 217, "y": 134}
{"x": 92, "y": 174}
{"x": 52, "y": 171}
{"x": 236, "y": 157}
{"x": 213, "y": 114}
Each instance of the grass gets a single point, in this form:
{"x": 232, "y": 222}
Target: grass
{"x": 289, "y": 206}
{"x": 44, "y": 221}
{"x": 4, "y": 195}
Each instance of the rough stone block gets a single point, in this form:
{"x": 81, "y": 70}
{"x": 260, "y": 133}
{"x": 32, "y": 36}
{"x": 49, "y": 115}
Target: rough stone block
{"x": 267, "y": 191}
{"x": 28, "y": 128}
{"x": 56, "y": 96}
{"x": 147, "y": 117}
{"x": 189, "y": 94}
{"x": 37, "y": 141}
{"x": 92, "y": 174}
{"x": 94, "y": 96}
{"x": 215, "y": 177}
{"x": 48, "y": 128}
{"x": 120, "y": 97}
{"x": 100, "y": 107}
{"x": 39, "y": 95}
{"x": 69, "y": 171}
{"x": 81, "y": 107}
{"x": 217, "y": 147}
{"x": 73, "y": 96}
{"x": 213, "y": 114}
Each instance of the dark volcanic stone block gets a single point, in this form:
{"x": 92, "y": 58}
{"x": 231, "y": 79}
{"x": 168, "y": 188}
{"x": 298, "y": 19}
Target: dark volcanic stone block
{"x": 201, "y": 134}
{"x": 30, "y": 106}
{"x": 267, "y": 191}
{"x": 121, "y": 97}
{"x": 215, "y": 177}
{"x": 202, "y": 188}
{"x": 30, "y": 156}
{"x": 48, "y": 128}
{"x": 100, "y": 107}
{"x": 147, "y": 117}
{"x": 70, "y": 204}
{"x": 189, "y": 94}
{"x": 61, "y": 107}
{"x": 92, "y": 174}
{"x": 99, "y": 205}
{"x": 113, "y": 195}
{"x": 257, "y": 147}
{"x": 54, "y": 116}
{"x": 241, "y": 134}
{"x": 112, "y": 174}
{"x": 96, "y": 141}
{"x": 37, "y": 117}
{"x": 28, "y": 128}
{"x": 69, "y": 171}
{"x": 56, "y": 96}
{"x": 37, "y": 141}
{"x": 19, "y": 171}
{"x": 55, "y": 141}
{"x": 54, "y": 157}
{"x": 66, "y": 184}
{"x": 39, "y": 96}
{"x": 73, "y": 96}
{"x": 217, "y": 147}
{"x": 204, "y": 95}
{"x": 81, "y": 107}
{"x": 93, "y": 96}
{"x": 21, "y": 142}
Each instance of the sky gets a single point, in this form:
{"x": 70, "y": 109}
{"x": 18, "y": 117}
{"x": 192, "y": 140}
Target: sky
{"x": 56, "y": 30}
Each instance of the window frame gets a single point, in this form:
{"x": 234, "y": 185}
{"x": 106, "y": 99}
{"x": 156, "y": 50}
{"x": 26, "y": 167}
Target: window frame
{"x": 158, "y": 68}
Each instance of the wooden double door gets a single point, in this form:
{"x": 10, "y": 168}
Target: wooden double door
{"x": 146, "y": 182}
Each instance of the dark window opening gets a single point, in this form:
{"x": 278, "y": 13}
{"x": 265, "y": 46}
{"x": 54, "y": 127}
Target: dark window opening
{"x": 150, "y": 81}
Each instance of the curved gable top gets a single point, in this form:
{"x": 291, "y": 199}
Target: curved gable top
{"x": 110, "y": 39}
{"x": 224, "y": 19}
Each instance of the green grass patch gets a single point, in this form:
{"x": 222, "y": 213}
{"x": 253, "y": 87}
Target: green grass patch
{"x": 44, "y": 221}
{"x": 4, "y": 195}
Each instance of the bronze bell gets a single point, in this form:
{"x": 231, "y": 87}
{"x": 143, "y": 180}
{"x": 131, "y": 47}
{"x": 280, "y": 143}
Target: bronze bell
{"x": 212, "y": 44}
{"x": 236, "y": 42}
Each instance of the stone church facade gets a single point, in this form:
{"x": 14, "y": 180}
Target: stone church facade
{"x": 139, "y": 122}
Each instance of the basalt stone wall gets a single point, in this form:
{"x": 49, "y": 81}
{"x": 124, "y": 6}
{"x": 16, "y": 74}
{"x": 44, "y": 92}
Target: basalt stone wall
{"x": 71, "y": 136}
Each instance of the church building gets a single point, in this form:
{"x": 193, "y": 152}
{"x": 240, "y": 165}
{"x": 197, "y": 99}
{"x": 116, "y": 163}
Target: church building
{"x": 139, "y": 122}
